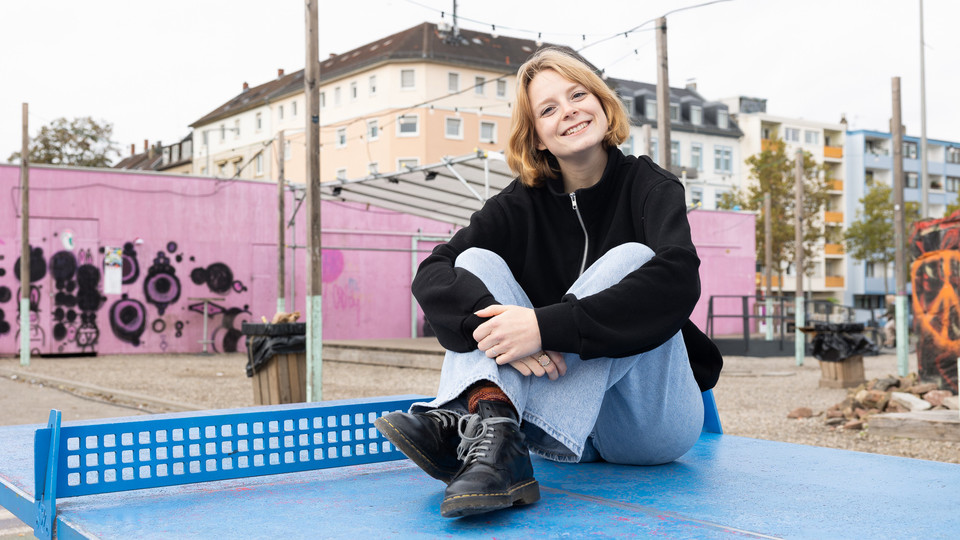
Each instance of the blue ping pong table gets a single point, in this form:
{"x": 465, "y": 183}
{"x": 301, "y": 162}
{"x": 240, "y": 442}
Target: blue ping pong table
{"x": 321, "y": 470}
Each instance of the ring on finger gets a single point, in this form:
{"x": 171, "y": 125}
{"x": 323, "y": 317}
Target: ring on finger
{"x": 544, "y": 360}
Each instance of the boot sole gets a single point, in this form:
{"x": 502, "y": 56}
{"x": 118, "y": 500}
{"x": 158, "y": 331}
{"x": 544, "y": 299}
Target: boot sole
{"x": 403, "y": 444}
{"x": 468, "y": 504}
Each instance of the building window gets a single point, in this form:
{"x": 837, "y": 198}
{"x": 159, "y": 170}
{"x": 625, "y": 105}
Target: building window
{"x": 286, "y": 150}
{"x": 723, "y": 119}
{"x": 811, "y": 137}
{"x": 653, "y": 150}
{"x": 910, "y": 150}
{"x": 372, "y": 86}
{"x": 373, "y": 168}
{"x": 323, "y": 100}
{"x": 723, "y": 159}
{"x": 353, "y": 91}
{"x": 696, "y": 196}
{"x": 453, "y": 82}
{"x": 488, "y": 132}
{"x": 222, "y": 169}
{"x": 454, "y": 128}
{"x": 206, "y": 137}
{"x": 293, "y": 108}
{"x": 674, "y": 112}
{"x": 258, "y": 164}
{"x": 336, "y": 97}
{"x": 408, "y": 125}
{"x": 223, "y": 132}
{"x": 236, "y": 128}
{"x": 696, "y": 156}
{"x": 650, "y": 109}
{"x": 280, "y": 112}
{"x": 953, "y": 154}
{"x": 675, "y": 153}
{"x": 501, "y": 88}
{"x": 259, "y": 121}
{"x": 373, "y": 130}
{"x": 911, "y": 180}
{"x": 791, "y": 134}
{"x": 341, "y": 137}
{"x": 628, "y": 104}
{"x": 478, "y": 84}
{"x": 405, "y": 164}
{"x": 627, "y": 146}
{"x": 341, "y": 174}
{"x": 953, "y": 184}
{"x": 407, "y": 79}
{"x": 696, "y": 115}
{"x": 236, "y": 167}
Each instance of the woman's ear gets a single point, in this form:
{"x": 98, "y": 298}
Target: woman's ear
{"x": 539, "y": 145}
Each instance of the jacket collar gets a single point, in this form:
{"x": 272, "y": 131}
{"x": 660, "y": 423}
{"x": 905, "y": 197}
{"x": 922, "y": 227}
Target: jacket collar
{"x": 597, "y": 191}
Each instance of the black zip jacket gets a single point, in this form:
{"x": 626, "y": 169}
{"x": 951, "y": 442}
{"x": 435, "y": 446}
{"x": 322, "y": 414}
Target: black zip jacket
{"x": 548, "y": 237}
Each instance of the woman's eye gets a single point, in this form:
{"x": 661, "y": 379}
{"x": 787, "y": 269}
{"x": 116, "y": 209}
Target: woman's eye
{"x": 546, "y": 111}
{"x": 579, "y": 95}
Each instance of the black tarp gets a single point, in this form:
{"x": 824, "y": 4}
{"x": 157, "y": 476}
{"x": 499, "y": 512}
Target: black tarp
{"x": 837, "y": 342}
{"x": 264, "y": 341}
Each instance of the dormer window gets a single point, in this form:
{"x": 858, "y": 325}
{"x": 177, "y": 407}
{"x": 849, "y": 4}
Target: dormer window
{"x": 674, "y": 112}
{"x": 723, "y": 119}
{"x": 650, "y": 109}
{"x": 628, "y": 105}
{"x": 696, "y": 115}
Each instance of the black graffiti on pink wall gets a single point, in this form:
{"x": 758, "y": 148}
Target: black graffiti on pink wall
{"x": 162, "y": 287}
{"x": 131, "y": 267}
{"x": 38, "y": 271}
{"x": 218, "y": 277}
{"x": 78, "y": 298}
{"x": 227, "y": 334}
{"x": 128, "y": 318}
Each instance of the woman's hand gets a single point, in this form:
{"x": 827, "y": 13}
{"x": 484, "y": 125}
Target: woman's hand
{"x": 512, "y": 336}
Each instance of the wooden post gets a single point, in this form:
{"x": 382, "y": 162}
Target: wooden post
{"x": 900, "y": 270}
{"x": 663, "y": 95}
{"x": 282, "y": 222}
{"x": 768, "y": 263}
{"x": 25, "y": 240}
{"x": 800, "y": 348}
{"x": 314, "y": 307}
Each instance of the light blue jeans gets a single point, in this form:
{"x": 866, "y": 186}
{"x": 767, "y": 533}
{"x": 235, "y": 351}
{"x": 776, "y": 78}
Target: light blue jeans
{"x": 639, "y": 410}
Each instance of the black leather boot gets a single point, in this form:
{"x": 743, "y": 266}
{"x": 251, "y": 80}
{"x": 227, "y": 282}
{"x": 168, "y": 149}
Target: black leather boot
{"x": 429, "y": 439}
{"x": 496, "y": 472}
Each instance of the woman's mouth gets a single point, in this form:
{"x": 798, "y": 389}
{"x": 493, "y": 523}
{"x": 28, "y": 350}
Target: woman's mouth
{"x": 576, "y": 129}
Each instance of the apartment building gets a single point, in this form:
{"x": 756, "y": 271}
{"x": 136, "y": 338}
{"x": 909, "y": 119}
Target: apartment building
{"x": 824, "y": 141}
{"x": 704, "y": 140}
{"x": 405, "y": 100}
{"x": 869, "y": 160}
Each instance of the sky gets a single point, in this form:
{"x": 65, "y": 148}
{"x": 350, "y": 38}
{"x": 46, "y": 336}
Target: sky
{"x": 151, "y": 69}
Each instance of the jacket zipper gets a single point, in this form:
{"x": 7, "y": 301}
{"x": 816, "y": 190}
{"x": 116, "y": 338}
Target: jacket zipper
{"x": 586, "y": 238}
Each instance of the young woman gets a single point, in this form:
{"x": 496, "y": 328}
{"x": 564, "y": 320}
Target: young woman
{"x": 564, "y": 306}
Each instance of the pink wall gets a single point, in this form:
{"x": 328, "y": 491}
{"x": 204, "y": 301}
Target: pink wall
{"x": 186, "y": 237}
{"x": 725, "y": 243}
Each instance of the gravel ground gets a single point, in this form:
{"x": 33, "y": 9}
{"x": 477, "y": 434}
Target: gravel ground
{"x": 754, "y": 395}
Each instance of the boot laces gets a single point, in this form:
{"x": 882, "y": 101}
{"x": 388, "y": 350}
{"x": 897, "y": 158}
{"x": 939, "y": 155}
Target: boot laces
{"x": 446, "y": 417}
{"x": 477, "y": 434}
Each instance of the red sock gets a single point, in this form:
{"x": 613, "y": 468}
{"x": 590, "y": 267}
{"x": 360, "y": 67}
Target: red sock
{"x": 486, "y": 391}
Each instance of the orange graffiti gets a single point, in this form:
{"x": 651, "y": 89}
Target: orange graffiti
{"x": 936, "y": 307}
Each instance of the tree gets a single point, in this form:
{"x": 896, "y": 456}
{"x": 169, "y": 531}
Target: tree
{"x": 871, "y": 238}
{"x": 774, "y": 172}
{"x": 81, "y": 142}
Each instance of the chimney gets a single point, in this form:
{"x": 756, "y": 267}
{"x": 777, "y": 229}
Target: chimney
{"x": 245, "y": 86}
{"x": 332, "y": 56}
{"x": 146, "y": 145}
{"x": 280, "y": 73}
{"x": 133, "y": 149}
{"x": 692, "y": 85}
{"x": 150, "y": 153}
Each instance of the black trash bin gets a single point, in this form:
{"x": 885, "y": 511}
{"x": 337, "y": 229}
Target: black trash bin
{"x": 277, "y": 362}
{"x": 840, "y": 348}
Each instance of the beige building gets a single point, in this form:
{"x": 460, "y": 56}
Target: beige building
{"x": 824, "y": 141}
{"x": 405, "y": 100}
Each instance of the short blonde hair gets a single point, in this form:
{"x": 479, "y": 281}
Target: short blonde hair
{"x": 533, "y": 165}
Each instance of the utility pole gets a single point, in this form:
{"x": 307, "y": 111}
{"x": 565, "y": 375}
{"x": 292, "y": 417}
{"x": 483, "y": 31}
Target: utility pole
{"x": 314, "y": 296}
{"x": 899, "y": 271}
{"x": 282, "y": 240}
{"x": 800, "y": 313}
{"x": 25, "y": 241}
{"x": 663, "y": 95}
{"x": 924, "y": 180}
{"x": 768, "y": 263}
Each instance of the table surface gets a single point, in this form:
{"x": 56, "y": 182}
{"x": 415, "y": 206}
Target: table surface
{"x": 726, "y": 486}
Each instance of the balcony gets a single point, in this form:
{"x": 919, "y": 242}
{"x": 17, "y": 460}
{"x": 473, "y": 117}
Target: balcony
{"x": 762, "y": 282}
{"x": 833, "y": 217}
{"x": 833, "y": 282}
{"x": 834, "y": 152}
{"x": 833, "y": 249}
{"x": 836, "y": 185}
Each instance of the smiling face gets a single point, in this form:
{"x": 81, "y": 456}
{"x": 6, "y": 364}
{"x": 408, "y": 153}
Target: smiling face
{"x": 568, "y": 120}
